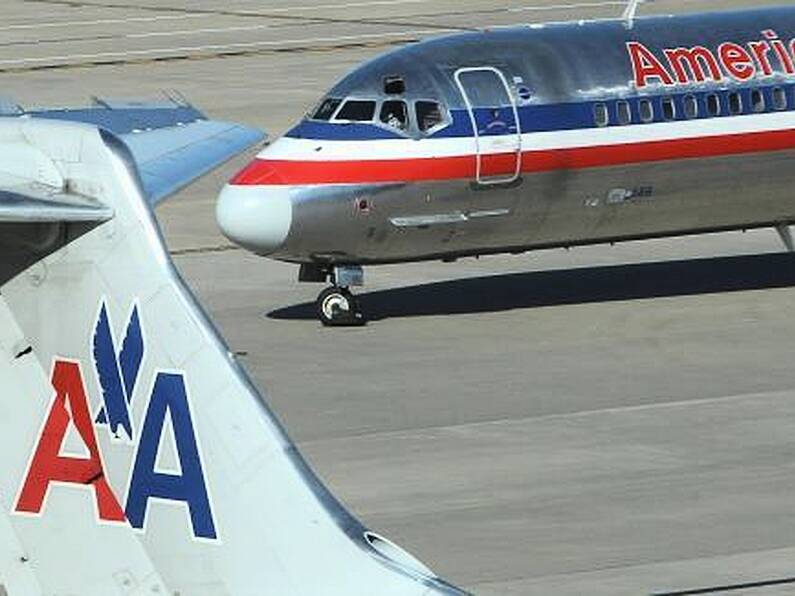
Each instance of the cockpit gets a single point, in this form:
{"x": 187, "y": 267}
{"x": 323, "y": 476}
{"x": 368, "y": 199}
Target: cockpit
{"x": 392, "y": 107}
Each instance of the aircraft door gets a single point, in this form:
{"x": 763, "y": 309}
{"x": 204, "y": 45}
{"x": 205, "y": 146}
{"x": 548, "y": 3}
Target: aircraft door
{"x": 495, "y": 120}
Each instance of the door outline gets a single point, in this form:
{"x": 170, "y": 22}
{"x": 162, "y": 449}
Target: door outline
{"x": 479, "y": 154}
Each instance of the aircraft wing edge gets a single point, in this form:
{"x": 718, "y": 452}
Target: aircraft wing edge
{"x": 170, "y": 159}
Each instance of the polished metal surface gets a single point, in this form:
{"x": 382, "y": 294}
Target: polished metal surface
{"x": 607, "y": 420}
{"x": 556, "y": 209}
{"x": 562, "y": 63}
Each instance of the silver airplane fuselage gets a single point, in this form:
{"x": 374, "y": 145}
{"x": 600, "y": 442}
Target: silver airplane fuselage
{"x": 534, "y": 137}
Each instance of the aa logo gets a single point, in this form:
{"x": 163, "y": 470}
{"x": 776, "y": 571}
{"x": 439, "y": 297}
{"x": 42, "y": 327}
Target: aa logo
{"x": 118, "y": 367}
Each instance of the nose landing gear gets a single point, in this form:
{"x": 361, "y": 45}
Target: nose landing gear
{"x": 336, "y": 306}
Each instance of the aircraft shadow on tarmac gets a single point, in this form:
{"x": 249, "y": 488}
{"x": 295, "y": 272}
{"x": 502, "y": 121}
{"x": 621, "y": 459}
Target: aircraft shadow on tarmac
{"x": 571, "y": 286}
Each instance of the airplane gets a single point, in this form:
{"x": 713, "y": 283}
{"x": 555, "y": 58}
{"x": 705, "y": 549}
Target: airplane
{"x": 529, "y": 137}
{"x": 138, "y": 457}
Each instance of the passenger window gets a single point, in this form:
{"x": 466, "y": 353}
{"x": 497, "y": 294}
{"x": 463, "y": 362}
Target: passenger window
{"x": 713, "y": 105}
{"x": 779, "y": 98}
{"x": 646, "y": 110}
{"x": 623, "y": 113}
{"x": 669, "y": 108}
{"x": 735, "y": 103}
{"x": 395, "y": 114}
{"x": 691, "y": 106}
{"x": 600, "y": 114}
{"x": 429, "y": 115}
{"x": 758, "y": 101}
{"x": 327, "y": 109}
{"x": 357, "y": 110}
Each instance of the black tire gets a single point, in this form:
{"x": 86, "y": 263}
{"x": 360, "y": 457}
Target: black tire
{"x": 337, "y": 307}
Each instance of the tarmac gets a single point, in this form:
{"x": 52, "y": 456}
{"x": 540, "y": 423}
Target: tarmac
{"x": 610, "y": 420}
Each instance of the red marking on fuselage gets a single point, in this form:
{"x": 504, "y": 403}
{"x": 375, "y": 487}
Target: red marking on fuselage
{"x": 263, "y": 171}
{"x": 696, "y": 64}
{"x": 645, "y": 66}
{"x": 737, "y": 61}
{"x": 700, "y": 63}
{"x": 48, "y": 466}
{"x": 783, "y": 55}
{"x": 761, "y": 49}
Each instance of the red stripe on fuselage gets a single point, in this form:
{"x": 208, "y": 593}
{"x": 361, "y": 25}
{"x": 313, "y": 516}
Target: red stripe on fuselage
{"x": 263, "y": 171}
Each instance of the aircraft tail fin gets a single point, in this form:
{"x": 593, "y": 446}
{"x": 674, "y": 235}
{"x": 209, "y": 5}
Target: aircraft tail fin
{"x": 137, "y": 456}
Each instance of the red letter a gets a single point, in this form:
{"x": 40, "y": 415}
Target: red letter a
{"x": 49, "y": 466}
{"x": 646, "y": 66}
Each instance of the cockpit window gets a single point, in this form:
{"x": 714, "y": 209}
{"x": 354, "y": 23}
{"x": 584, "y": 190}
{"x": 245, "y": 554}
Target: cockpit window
{"x": 395, "y": 114}
{"x": 395, "y": 85}
{"x": 357, "y": 110}
{"x": 430, "y": 114}
{"x": 327, "y": 109}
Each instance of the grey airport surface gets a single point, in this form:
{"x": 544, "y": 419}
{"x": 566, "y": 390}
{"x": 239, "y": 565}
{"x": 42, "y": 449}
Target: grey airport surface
{"x": 609, "y": 420}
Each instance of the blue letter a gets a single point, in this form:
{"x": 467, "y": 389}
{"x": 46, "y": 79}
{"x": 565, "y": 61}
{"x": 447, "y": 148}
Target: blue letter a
{"x": 169, "y": 396}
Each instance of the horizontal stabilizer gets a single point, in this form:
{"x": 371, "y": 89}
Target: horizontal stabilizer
{"x": 170, "y": 159}
{"x": 121, "y": 118}
{"x": 171, "y": 143}
{"x": 32, "y": 206}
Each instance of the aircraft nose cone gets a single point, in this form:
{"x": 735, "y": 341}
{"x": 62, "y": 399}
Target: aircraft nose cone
{"x": 256, "y": 218}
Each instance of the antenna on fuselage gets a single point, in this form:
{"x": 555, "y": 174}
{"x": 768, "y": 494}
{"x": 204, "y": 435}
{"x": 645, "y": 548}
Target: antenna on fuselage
{"x": 629, "y": 13}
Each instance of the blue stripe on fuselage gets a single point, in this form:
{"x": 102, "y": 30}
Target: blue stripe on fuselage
{"x": 550, "y": 117}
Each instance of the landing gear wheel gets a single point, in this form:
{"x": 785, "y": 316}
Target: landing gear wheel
{"x": 337, "y": 307}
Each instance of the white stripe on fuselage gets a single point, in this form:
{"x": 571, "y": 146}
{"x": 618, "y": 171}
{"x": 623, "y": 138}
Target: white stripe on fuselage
{"x": 292, "y": 149}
